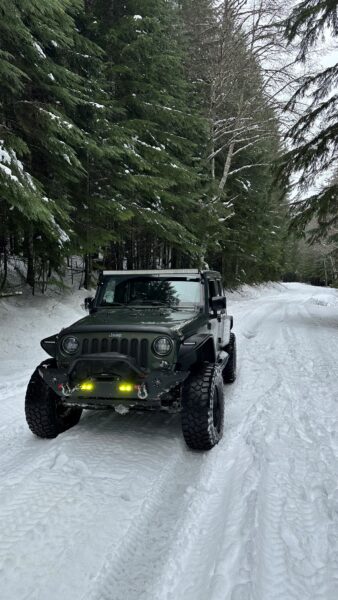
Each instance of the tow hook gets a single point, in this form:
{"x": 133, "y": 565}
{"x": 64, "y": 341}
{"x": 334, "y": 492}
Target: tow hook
{"x": 142, "y": 393}
{"x": 65, "y": 389}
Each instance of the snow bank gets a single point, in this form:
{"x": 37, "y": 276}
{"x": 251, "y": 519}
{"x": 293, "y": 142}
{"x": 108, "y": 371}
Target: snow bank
{"x": 322, "y": 299}
{"x": 249, "y": 292}
{"x": 320, "y": 296}
{"x": 257, "y": 517}
{"x": 25, "y": 320}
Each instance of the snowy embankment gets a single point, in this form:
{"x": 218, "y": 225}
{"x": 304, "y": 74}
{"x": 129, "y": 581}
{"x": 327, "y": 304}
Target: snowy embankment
{"x": 118, "y": 508}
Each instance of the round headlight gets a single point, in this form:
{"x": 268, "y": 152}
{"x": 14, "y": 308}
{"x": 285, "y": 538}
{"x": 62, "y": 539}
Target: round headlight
{"x": 70, "y": 345}
{"x": 162, "y": 346}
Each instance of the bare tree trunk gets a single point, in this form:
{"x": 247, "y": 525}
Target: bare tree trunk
{"x": 333, "y": 266}
{"x": 44, "y": 281}
{"x": 325, "y": 270}
{"x": 227, "y": 167}
{"x": 5, "y": 269}
{"x": 30, "y": 277}
{"x": 88, "y": 271}
{"x": 213, "y": 162}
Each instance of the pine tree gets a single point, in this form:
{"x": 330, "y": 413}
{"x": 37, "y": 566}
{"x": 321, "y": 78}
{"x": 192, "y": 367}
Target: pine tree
{"x": 158, "y": 178}
{"x": 50, "y": 120}
{"x": 314, "y": 136}
{"x": 107, "y": 117}
{"x": 36, "y": 119}
{"x": 248, "y": 240}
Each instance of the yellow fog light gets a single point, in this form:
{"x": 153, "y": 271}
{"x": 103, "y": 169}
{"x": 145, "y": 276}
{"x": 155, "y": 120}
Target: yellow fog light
{"x": 126, "y": 387}
{"x": 87, "y": 386}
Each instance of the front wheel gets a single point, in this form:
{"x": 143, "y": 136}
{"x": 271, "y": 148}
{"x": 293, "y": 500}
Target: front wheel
{"x": 45, "y": 414}
{"x": 203, "y": 408}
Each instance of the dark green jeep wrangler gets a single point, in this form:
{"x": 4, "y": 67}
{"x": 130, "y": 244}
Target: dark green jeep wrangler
{"x": 154, "y": 340}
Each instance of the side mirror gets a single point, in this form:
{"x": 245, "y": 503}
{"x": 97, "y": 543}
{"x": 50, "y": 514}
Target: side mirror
{"x": 218, "y": 303}
{"x": 88, "y": 303}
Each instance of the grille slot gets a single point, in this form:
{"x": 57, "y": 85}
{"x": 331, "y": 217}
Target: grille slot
{"x": 134, "y": 349}
{"x": 124, "y": 346}
{"x": 137, "y": 349}
{"x": 114, "y": 345}
{"x": 95, "y": 346}
{"x": 144, "y": 353}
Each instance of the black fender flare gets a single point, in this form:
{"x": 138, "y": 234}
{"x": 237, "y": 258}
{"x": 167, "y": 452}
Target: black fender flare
{"x": 197, "y": 348}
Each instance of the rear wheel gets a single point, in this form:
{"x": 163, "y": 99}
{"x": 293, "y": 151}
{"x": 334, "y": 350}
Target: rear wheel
{"x": 229, "y": 371}
{"x": 203, "y": 409}
{"x": 46, "y": 415}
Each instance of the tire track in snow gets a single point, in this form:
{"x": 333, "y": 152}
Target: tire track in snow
{"x": 270, "y": 549}
{"x": 184, "y": 526}
{"x": 34, "y": 504}
{"x": 117, "y": 507}
{"x": 285, "y": 567}
{"x": 174, "y": 525}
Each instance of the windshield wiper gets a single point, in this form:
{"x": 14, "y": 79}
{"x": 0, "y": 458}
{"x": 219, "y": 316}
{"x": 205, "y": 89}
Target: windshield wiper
{"x": 152, "y": 303}
{"x": 111, "y": 304}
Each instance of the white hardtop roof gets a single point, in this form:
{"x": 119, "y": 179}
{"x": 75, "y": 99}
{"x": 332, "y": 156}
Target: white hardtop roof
{"x": 158, "y": 272}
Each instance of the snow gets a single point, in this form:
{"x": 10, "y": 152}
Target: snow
{"x": 63, "y": 236}
{"x": 57, "y": 118}
{"x": 39, "y": 50}
{"x": 246, "y": 184}
{"x": 6, "y": 158}
{"x": 9, "y": 173}
{"x": 96, "y": 105}
{"x": 119, "y": 508}
{"x": 9, "y": 159}
{"x": 121, "y": 410}
{"x": 157, "y": 148}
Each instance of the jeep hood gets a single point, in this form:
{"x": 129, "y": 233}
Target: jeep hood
{"x": 127, "y": 319}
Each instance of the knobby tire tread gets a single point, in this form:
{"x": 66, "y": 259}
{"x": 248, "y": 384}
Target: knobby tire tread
{"x": 40, "y": 408}
{"x": 197, "y": 409}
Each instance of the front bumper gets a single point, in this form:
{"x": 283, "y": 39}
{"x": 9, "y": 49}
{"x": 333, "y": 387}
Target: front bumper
{"x": 150, "y": 390}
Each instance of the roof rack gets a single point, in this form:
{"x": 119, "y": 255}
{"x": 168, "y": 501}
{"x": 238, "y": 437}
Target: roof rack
{"x": 158, "y": 272}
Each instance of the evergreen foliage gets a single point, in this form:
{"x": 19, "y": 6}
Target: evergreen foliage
{"x": 243, "y": 142}
{"x": 314, "y": 136}
{"x": 107, "y": 125}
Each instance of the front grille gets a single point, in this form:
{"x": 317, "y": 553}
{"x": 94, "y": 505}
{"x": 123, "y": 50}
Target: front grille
{"x": 139, "y": 350}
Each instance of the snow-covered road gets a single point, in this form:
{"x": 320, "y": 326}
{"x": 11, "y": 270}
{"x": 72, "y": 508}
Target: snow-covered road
{"x": 119, "y": 509}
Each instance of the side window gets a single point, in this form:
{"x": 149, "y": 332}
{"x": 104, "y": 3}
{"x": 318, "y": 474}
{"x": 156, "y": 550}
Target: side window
{"x": 109, "y": 295}
{"x": 219, "y": 288}
{"x": 212, "y": 289}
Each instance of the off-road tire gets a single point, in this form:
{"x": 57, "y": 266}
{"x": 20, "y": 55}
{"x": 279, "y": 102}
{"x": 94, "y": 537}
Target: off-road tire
{"x": 45, "y": 414}
{"x": 203, "y": 408}
{"x": 229, "y": 371}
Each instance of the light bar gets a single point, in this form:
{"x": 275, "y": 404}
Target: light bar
{"x": 126, "y": 387}
{"x": 87, "y": 386}
{"x": 158, "y": 272}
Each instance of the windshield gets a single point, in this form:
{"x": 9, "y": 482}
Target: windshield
{"x": 142, "y": 291}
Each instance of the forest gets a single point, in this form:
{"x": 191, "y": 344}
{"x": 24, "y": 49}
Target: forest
{"x": 146, "y": 134}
